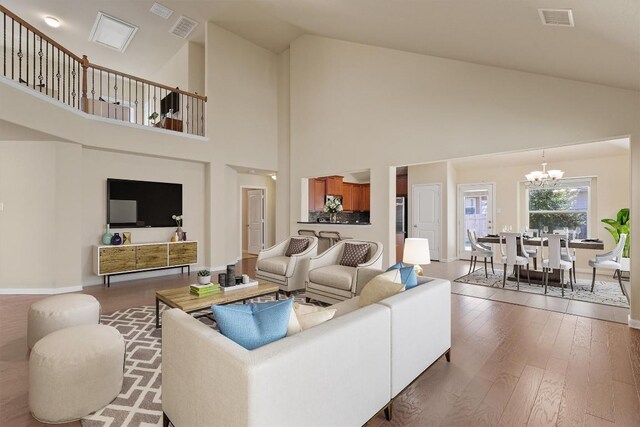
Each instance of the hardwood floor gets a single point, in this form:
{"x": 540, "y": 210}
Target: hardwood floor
{"x": 510, "y": 365}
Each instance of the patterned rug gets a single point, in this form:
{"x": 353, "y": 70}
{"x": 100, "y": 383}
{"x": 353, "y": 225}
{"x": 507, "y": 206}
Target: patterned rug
{"x": 139, "y": 403}
{"x": 605, "y": 292}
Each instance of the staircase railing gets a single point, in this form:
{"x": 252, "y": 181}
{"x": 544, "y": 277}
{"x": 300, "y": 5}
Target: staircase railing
{"x": 33, "y": 59}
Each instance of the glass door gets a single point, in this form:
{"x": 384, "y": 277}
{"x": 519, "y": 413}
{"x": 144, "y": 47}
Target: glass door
{"x": 475, "y": 211}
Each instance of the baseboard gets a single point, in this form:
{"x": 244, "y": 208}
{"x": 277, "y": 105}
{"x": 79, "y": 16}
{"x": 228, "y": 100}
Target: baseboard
{"x": 39, "y": 291}
{"x": 449, "y": 259}
{"x": 633, "y": 323}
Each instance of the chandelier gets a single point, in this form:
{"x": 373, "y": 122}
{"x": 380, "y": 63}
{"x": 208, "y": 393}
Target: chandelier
{"x": 544, "y": 178}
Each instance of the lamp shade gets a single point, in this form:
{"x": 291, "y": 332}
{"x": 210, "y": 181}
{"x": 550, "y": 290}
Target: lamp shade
{"x": 416, "y": 251}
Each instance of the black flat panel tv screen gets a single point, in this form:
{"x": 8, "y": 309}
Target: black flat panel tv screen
{"x": 142, "y": 203}
{"x": 170, "y": 102}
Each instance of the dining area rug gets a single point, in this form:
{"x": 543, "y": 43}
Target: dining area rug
{"x": 604, "y": 292}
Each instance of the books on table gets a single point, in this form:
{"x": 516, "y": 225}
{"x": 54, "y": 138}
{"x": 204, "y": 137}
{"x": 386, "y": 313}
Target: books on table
{"x": 204, "y": 290}
{"x": 239, "y": 286}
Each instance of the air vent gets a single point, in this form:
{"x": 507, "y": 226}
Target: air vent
{"x": 183, "y": 27}
{"x": 112, "y": 32}
{"x": 556, "y": 17}
{"x": 161, "y": 11}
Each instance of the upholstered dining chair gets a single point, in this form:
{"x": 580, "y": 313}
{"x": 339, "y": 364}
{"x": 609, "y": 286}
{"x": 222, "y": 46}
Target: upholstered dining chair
{"x": 286, "y": 263}
{"x": 510, "y": 255}
{"x": 610, "y": 261}
{"x": 568, "y": 254}
{"x": 479, "y": 250}
{"x": 332, "y": 276}
{"x": 554, "y": 259}
{"x": 532, "y": 251}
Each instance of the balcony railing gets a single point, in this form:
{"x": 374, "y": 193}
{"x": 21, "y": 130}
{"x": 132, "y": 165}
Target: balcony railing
{"x": 34, "y": 60}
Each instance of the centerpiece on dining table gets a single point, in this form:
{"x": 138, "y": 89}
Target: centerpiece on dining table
{"x": 332, "y": 207}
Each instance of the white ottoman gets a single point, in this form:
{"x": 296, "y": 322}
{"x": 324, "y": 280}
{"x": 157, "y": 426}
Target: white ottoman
{"x": 75, "y": 371}
{"x": 58, "y": 312}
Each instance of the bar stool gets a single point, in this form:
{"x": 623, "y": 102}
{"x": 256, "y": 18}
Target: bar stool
{"x": 311, "y": 233}
{"x": 333, "y": 236}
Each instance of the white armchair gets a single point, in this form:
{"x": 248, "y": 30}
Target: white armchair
{"x": 289, "y": 272}
{"x": 610, "y": 261}
{"x": 330, "y": 282}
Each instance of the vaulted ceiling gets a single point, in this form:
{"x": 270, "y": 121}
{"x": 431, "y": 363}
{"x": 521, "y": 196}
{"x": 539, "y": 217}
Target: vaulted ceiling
{"x": 603, "y": 48}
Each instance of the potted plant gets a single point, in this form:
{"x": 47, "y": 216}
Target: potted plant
{"x": 153, "y": 117}
{"x": 204, "y": 277}
{"x": 332, "y": 207}
{"x": 619, "y": 226}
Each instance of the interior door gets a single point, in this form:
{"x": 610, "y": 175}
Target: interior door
{"x": 255, "y": 217}
{"x": 475, "y": 211}
{"x": 426, "y": 212}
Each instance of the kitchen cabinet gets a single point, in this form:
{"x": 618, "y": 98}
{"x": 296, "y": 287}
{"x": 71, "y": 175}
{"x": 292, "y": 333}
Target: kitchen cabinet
{"x": 319, "y": 193}
{"x": 334, "y": 186}
{"x": 366, "y": 197}
{"x": 357, "y": 198}
{"x": 401, "y": 186}
{"x": 311, "y": 196}
{"x": 347, "y": 196}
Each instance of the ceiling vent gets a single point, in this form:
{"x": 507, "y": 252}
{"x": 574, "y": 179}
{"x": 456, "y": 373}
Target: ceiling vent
{"x": 183, "y": 27}
{"x": 161, "y": 11}
{"x": 112, "y": 32}
{"x": 556, "y": 17}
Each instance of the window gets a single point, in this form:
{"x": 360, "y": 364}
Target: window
{"x": 564, "y": 206}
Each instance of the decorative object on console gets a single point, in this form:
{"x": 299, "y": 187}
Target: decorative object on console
{"x": 107, "y": 236}
{"x": 231, "y": 275}
{"x": 175, "y": 238}
{"x": 116, "y": 239}
{"x": 179, "y": 233}
{"x": 222, "y": 279}
{"x": 416, "y": 253}
{"x": 126, "y": 238}
{"x": 332, "y": 207}
{"x": 204, "y": 277}
{"x": 254, "y": 325}
{"x": 354, "y": 254}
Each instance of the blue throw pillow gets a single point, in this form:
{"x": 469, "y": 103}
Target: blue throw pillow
{"x": 254, "y": 325}
{"x": 408, "y": 275}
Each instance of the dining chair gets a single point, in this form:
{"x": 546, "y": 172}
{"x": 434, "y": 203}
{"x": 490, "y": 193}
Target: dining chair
{"x": 568, "y": 254}
{"x": 610, "y": 261}
{"x": 510, "y": 256}
{"x": 532, "y": 251}
{"x": 554, "y": 260}
{"x": 479, "y": 250}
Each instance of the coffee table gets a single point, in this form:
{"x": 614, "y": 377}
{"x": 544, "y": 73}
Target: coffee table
{"x": 181, "y": 297}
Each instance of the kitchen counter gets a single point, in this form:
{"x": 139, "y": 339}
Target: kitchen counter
{"x": 333, "y": 223}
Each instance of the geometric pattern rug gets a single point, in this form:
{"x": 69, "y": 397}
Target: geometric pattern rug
{"x": 604, "y": 292}
{"x": 139, "y": 404}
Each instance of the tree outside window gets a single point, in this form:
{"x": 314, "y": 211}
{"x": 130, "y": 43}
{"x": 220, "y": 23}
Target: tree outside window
{"x": 556, "y": 208}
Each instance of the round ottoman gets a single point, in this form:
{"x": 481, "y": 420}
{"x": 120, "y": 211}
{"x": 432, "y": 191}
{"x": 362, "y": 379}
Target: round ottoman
{"x": 58, "y": 312}
{"x": 75, "y": 371}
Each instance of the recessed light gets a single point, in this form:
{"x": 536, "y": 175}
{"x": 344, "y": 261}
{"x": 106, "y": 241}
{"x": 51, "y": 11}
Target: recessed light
{"x": 51, "y": 21}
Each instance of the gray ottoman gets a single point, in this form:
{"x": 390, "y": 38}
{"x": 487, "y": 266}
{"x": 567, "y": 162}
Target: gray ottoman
{"x": 58, "y": 312}
{"x": 74, "y": 372}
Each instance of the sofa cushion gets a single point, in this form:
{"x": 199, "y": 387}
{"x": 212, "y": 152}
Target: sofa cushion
{"x": 275, "y": 265}
{"x": 305, "y": 316}
{"x": 336, "y": 276}
{"x": 354, "y": 254}
{"x": 380, "y": 287}
{"x": 346, "y": 306}
{"x": 254, "y": 325}
{"x": 296, "y": 246}
{"x": 408, "y": 275}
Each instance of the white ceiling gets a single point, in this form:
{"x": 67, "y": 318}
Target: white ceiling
{"x": 593, "y": 150}
{"x": 604, "y": 46}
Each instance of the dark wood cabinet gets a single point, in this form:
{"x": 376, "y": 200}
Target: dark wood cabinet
{"x": 401, "y": 185}
{"x": 334, "y": 186}
{"x": 366, "y": 197}
{"x": 319, "y": 193}
{"x": 347, "y": 196}
{"x": 170, "y": 124}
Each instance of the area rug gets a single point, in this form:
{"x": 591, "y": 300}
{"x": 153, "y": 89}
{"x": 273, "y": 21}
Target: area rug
{"x": 605, "y": 292}
{"x": 139, "y": 403}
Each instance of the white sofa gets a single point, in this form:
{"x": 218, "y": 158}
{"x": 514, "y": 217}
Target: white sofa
{"x": 340, "y": 373}
{"x": 288, "y": 272}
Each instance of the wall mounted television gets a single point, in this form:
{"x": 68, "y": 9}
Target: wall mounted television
{"x": 170, "y": 102}
{"x": 142, "y": 203}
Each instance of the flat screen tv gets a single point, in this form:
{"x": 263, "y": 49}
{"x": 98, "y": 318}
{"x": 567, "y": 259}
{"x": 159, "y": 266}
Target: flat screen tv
{"x": 170, "y": 102}
{"x": 142, "y": 203}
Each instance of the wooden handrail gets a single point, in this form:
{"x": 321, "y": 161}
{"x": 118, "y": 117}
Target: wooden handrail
{"x": 39, "y": 33}
{"x": 149, "y": 82}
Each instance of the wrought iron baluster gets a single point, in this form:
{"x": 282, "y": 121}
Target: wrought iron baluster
{"x": 73, "y": 76}
{"x": 40, "y": 76}
{"x": 136, "y": 102}
{"x": 93, "y": 90}
{"x": 58, "y": 76}
{"x": 4, "y": 44}
{"x": 46, "y": 66}
{"x": 20, "y": 54}
{"x": 34, "y": 61}
{"x": 13, "y": 42}
{"x": 26, "y": 37}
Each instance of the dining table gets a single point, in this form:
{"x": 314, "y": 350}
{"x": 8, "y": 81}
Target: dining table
{"x": 536, "y": 275}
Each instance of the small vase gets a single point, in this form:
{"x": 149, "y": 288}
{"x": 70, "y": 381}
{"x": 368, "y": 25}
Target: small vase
{"x": 179, "y": 233}
{"x": 333, "y": 217}
{"x": 116, "y": 239}
{"x": 107, "y": 236}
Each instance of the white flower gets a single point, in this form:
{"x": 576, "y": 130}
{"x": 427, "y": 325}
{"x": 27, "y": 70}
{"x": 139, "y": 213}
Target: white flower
{"x": 174, "y": 217}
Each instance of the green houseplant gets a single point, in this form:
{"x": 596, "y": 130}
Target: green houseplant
{"x": 619, "y": 226}
{"x": 204, "y": 277}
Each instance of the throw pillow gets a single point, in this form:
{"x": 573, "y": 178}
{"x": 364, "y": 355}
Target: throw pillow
{"x": 354, "y": 254}
{"x": 254, "y": 325}
{"x": 407, "y": 274}
{"x": 305, "y": 316}
{"x": 380, "y": 287}
{"x": 296, "y": 246}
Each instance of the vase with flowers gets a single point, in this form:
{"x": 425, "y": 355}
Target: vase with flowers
{"x": 332, "y": 207}
{"x": 179, "y": 232}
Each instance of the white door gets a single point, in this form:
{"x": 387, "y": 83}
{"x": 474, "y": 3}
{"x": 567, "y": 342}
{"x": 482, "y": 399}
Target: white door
{"x": 255, "y": 219}
{"x": 426, "y": 215}
{"x": 475, "y": 211}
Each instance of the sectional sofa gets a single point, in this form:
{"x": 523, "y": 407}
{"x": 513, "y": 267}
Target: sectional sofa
{"x": 339, "y": 373}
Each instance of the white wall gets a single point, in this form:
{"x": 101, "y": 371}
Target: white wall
{"x": 284, "y": 185}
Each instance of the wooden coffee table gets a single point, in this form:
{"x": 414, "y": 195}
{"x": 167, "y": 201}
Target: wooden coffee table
{"x": 181, "y": 297}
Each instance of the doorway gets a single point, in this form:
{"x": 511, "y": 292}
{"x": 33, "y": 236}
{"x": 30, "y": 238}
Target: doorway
{"x": 426, "y": 213}
{"x": 475, "y": 211}
{"x": 253, "y": 221}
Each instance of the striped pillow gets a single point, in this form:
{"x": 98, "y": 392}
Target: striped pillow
{"x": 354, "y": 254}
